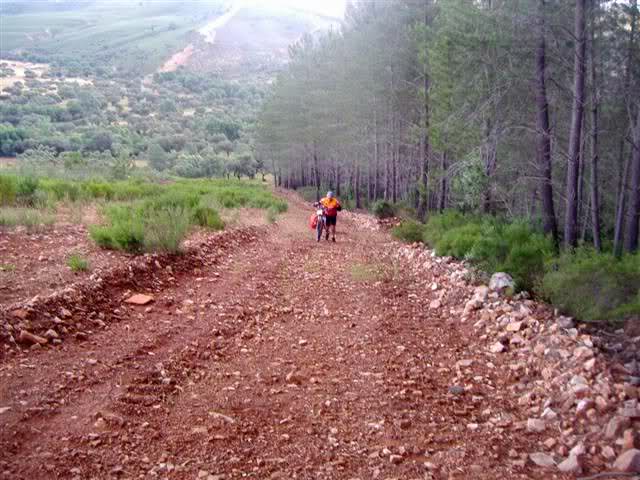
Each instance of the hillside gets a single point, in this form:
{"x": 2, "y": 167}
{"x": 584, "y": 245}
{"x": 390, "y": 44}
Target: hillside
{"x": 138, "y": 37}
{"x": 161, "y": 83}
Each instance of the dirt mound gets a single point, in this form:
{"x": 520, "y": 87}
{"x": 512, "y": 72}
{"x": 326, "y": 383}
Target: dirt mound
{"x": 91, "y": 303}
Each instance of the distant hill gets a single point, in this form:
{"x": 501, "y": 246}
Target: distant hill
{"x": 137, "y": 37}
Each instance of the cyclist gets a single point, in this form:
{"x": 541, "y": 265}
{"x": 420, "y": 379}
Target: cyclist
{"x": 331, "y": 207}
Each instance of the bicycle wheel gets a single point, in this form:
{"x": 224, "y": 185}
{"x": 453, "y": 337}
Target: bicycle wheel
{"x": 319, "y": 228}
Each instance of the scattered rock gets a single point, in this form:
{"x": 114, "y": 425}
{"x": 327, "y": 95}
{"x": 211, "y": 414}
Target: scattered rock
{"x": 514, "y": 327}
{"x": 20, "y": 313}
{"x": 570, "y": 465}
{"x": 628, "y": 462}
{"x": 615, "y": 427}
{"x": 29, "y": 338}
{"x": 51, "y": 334}
{"x": 501, "y": 281}
{"x": 542, "y": 459}
{"x": 628, "y": 440}
{"x": 497, "y": 347}
{"x": 565, "y": 322}
{"x": 536, "y": 425}
{"x": 456, "y": 390}
{"x": 549, "y": 414}
{"x": 139, "y": 299}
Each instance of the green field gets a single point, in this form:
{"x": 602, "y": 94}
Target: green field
{"x": 131, "y": 36}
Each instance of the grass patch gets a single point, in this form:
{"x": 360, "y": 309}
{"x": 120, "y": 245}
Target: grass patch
{"x": 366, "y": 272}
{"x": 7, "y": 267}
{"x": 140, "y": 216}
{"x": 34, "y": 220}
{"x": 77, "y": 263}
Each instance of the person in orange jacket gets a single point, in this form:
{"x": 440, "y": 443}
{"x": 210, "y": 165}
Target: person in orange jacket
{"x": 331, "y": 207}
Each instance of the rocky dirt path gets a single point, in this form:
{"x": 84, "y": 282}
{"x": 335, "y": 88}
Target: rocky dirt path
{"x": 282, "y": 359}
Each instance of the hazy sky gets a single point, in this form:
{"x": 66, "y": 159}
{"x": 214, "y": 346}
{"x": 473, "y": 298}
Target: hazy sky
{"x": 334, "y": 8}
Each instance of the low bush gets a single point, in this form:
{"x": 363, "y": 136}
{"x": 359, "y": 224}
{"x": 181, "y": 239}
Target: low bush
{"x": 514, "y": 248}
{"x": 383, "y": 209}
{"x": 458, "y": 242}
{"x": 26, "y": 191}
{"x": 208, "y": 217}
{"x": 124, "y": 231}
{"x": 272, "y": 215}
{"x": 594, "y": 286}
{"x": 77, "y": 263}
{"x": 166, "y": 228}
{"x": 439, "y": 225}
{"x": 8, "y": 189}
{"x": 409, "y": 231}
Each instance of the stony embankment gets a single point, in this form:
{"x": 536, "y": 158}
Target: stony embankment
{"x": 577, "y": 387}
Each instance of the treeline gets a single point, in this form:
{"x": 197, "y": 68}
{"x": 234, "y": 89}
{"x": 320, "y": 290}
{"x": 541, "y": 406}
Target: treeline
{"x": 513, "y": 109}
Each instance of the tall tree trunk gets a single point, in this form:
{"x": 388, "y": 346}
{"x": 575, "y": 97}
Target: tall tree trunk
{"x": 316, "y": 168}
{"x": 489, "y": 167}
{"x": 394, "y": 164}
{"x": 622, "y": 159}
{"x": 575, "y": 137}
{"x": 387, "y": 171}
{"x": 338, "y": 179}
{"x": 544, "y": 131}
{"x": 620, "y": 210}
{"x": 442, "y": 201}
{"x": 595, "y": 103}
{"x": 634, "y": 206}
{"x": 376, "y": 153}
{"x": 357, "y": 185}
{"x": 423, "y": 204}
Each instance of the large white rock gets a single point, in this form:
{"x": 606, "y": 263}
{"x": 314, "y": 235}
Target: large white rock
{"x": 628, "y": 462}
{"x": 542, "y": 459}
{"x": 501, "y": 281}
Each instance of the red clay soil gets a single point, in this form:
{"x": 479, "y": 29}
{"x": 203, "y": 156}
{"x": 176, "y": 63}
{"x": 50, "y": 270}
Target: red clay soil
{"x": 270, "y": 357}
{"x": 36, "y": 263}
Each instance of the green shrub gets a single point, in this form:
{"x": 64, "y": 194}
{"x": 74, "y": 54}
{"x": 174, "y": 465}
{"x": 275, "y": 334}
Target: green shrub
{"x": 384, "y": 209}
{"x": 458, "y": 242}
{"x": 77, "y": 263}
{"x": 166, "y": 228}
{"x": 409, "y": 231}
{"x": 594, "y": 286}
{"x": 438, "y": 225}
{"x": 514, "y": 248}
{"x": 208, "y": 217}
{"x": 124, "y": 231}
{"x": 272, "y": 214}
{"x": 7, "y": 190}
{"x": 26, "y": 191}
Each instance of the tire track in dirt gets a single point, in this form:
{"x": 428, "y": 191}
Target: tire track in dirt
{"x": 289, "y": 359}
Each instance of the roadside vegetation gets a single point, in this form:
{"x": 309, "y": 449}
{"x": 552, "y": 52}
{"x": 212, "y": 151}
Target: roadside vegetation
{"x": 138, "y": 215}
{"x": 590, "y": 285}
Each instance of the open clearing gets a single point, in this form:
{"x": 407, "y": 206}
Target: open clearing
{"x": 40, "y": 71}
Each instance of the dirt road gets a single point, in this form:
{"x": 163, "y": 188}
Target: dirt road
{"x": 282, "y": 359}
